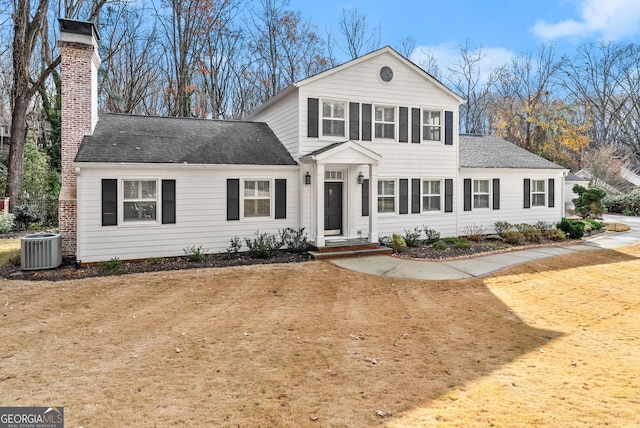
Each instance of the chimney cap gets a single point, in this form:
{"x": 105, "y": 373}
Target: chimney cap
{"x": 84, "y": 28}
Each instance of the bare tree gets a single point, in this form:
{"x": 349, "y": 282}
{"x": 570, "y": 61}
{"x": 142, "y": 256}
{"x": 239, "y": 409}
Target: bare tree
{"x": 360, "y": 37}
{"x": 406, "y": 46}
{"x": 465, "y": 76}
{"x": 430, "y": 64}
{"x": 129, "y": 60}
{"x": 32, "y": 64}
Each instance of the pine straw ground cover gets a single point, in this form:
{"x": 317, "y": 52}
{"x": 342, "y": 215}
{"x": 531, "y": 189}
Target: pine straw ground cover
{"x": 547, "y": 343}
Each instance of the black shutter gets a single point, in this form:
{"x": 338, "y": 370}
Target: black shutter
{"x": 312, "y": 117}
{"x": 467, "y": 194}
{"x": 403, "y": 136}
{"x": 168, "y": 201}
{"x": 233, "y": 199}
{"x": 448, "y": 127}
{"x": 415, "y": 125}
{"x": 404, "y": 196}
{"x": 109, "y": 202}
{"x": 354, "y": 121}
{"x": 552, "y": 193}
{"x": 281, "y": 198}
{"x": 366, "y": 122}
{"x": 415, "y": 195}
{"x": 496, "y": 193}
{"x": 365, "y": 197}
{"x": 527, "y": 193}
{"x": 448, "y": 195}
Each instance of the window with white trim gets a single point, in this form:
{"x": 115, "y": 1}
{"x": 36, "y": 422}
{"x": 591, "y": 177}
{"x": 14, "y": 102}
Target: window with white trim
{"x": 257, "y": 198}
{"x": 480, "y": 193}
{"x": 333, "y": 118}
{"x": 431, "y": 195}
{"x": 386, "y": 196}
{"x": 385, "y": 122}
{"x": 431, "y": 125}
{"x": 538, "y": 193}
{"x": 139, "y": 200}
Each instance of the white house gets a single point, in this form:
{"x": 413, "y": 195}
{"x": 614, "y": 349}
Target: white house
{"x": 363, "y": 150}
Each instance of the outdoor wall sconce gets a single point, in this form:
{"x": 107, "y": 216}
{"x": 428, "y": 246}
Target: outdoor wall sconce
{"x": 360, "y": 178}
{"x": 307, "y": 178}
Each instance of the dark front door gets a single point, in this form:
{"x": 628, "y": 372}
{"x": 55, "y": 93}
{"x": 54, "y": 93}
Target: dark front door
{"x": 332, "y": 208}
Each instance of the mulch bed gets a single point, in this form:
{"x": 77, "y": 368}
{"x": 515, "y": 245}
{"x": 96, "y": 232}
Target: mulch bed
{"x": 69, "y": 271}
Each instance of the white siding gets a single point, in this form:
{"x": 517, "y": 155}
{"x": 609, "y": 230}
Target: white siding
{"x": 511, "y": 198}
{"x": 281, "y": 118}
{"x": 200, "y": 211}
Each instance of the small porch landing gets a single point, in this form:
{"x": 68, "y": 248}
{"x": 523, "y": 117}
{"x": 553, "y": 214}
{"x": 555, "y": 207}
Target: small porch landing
{"x": 343, "y": 248}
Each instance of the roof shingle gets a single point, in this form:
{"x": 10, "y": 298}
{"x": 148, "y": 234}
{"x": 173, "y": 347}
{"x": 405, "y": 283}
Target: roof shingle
{"x": 121, "y": 138}
{"x": 488, "y": 151}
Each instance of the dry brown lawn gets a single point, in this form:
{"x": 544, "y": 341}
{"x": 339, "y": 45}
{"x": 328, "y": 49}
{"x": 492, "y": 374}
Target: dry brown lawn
{"x": 549, "y": 343}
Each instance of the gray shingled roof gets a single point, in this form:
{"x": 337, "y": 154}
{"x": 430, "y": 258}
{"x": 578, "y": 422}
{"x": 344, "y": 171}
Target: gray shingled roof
{"x": 120, "y": 138}
{"x": 488, "y": 151}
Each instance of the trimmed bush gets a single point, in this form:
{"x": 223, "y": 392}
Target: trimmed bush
{"x": 627, "y": 204}
{"x": 513, "y": 237}
{"x": 555, "y": 235}
{"x": 264, "y": 245}
{"x": 397, "y": 243}
{"x": 457, "y": 242}
{"x": 589, "y": 201}
{"x": 412, "y": 237}
{"x": 575, "y": 229}
{"x": 532, "y": 234}
{"x": 295, "y": 240}
{"x": 431, "y": 236}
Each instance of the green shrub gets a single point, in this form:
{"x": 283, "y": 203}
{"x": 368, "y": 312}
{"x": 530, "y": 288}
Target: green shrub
{"x": 6, "y": 222}
{"x": 575, "y": 229}
{"x": 193, "y": 253}
{"x": 264, "y": 245}
{"x": 233, "y": 249}
{"x": 295, "y": 240}
{"x": 397, "y": 243}
{"x": 111, "y": 267}
{"x": 532, "y": 234}
{"x": 589, "y": 201}
{"x": 475, "y": 232}
{"x": 627, "y": 204}
{"x": 513, "y": 237}
{"x": 431, "y": 236}
{"x": 439, "y": 246}
{"x": 593, "y": 224}
{"x": 555, "y": 235}
{"x": 457, "y": 242}
{"x": 27, "y": 215}
{"x": 412, "y": 237}
{"x": 502, "y": 227}
{"x": 544, "y": 226}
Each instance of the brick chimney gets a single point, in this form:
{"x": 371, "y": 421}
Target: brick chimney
{"x": 78, "y": 47}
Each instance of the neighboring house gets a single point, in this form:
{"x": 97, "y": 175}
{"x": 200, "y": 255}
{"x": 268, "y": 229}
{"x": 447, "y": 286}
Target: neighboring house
{"x": 569, "y": 181}
{"x": 363, "y": 150}
{"x": 5, "y": 132}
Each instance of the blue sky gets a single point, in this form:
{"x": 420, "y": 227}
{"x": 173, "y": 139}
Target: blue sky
{"x": 503, "y": 27}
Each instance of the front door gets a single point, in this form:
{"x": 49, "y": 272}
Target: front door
{"x": 332, "y": 209}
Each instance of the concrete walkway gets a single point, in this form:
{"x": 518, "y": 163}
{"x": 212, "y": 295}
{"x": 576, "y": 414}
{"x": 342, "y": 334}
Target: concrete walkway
{"x": 396, "y": 267}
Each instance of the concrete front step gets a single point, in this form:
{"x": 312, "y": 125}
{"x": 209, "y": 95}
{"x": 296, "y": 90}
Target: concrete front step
{"x": 346, "y": 252}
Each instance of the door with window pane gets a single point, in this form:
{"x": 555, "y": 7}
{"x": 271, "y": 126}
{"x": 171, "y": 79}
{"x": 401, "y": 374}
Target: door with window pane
{"x": 332, "y": 208}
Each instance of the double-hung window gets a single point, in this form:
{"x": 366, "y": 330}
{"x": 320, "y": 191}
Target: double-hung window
{"x": 257, "y": 198}
{"x": 385, "y": 122}
{"x": 386, "y": 196}
{"x": 431, "y": 195}
{"x": 480, "y": 193}
{"x": 538, "y": 193}
{"x": 431, "y": 125}
{"x": 140, "y": 199}
{"x": 333, "y": 118}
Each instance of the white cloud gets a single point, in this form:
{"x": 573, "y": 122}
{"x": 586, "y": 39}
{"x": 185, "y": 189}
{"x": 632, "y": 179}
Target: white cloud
{"x": 608, "y": 20}
{"x": 447, "y": 55}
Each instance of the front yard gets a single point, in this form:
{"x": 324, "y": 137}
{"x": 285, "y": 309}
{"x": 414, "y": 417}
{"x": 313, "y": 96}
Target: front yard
{"x": 548, "y": 343}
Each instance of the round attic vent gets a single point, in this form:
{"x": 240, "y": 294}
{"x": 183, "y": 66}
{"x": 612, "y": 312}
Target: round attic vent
{"x": 386, "y": 74}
